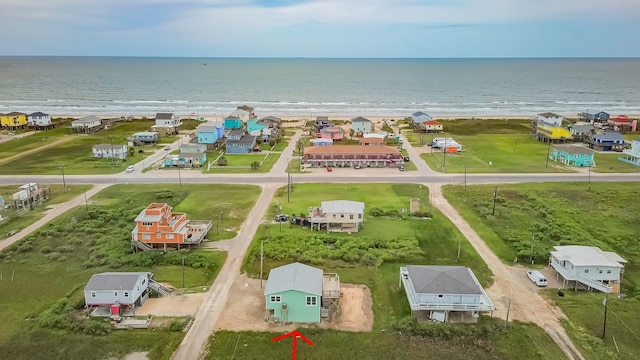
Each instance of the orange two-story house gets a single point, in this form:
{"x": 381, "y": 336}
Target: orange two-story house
{"x": 159, "y": 225}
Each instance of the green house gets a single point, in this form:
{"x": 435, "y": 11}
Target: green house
{"x": 294, "y": 293}
{"x": 572, "y": 155}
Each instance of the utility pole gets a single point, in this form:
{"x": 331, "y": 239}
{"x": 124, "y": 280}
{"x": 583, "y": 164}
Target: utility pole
{"x": 179, "y": 175}
{"x": 589, "y": 177}
{"x": 261, "y": 260}
{"x": 112, "y": 154}
{"x": 86, "y": 203}
{"x": 507, "y": 319}
{"x": 459, "y": 244}
{"x": 64, "y": 184}
{"x": 514, "y": 145}
{"x": 288, "y": 185}
{"x": 280, "y": 212}
{"x": 183, "y": 272}
{"x": 548, "y": 150}
{"x": 495, "y": 196}
{"x": 605, "y": 302}
{"x": 532, "y": 237}
{"x": 444, "y": 157}
{"x": 430, "y": 197}
{"x": 465, "y": 177}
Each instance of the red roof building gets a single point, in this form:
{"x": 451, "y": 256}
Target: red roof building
{"x": 622, "y": 123}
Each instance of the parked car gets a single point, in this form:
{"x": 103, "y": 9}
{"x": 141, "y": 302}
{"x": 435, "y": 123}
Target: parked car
{"x": 282, "y": 217}
{"x": 401, "y": 167}
{"x": 167, "y": 147}
{"x": 329, "y": 169}
{"x": 357, "y": 167}
{"x": 130, "y": 169}
{"x": 537, "y": 278}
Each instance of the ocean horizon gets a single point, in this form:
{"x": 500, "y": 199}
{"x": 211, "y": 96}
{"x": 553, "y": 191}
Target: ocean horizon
{"x": 300, "y": 86}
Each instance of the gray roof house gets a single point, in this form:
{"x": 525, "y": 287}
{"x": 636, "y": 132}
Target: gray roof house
{"x": 581, "y": 130}
{"x": 87, "y": 124}
{"x": 444, "y": 293}
{"x": 337, "y": 215}
{"x": 125, "y": 288}
{"x": 361, "y": 125}
{"x": 239, "y": 142}
{"x": 300, "y": 293}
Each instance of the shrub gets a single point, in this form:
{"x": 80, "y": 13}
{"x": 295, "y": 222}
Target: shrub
{"x": 176, "y": 325}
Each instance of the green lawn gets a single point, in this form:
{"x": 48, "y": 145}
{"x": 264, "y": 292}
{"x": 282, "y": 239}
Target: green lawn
{"x": 76, "y": 154}
{"x": 566, "y": 214}
{"x": 56, "y": 262}
{"x": 40, "y": 138}
{"x": 609, "y": 163}
{"x": 493, "y": 153}
{"x": 267, "y": 160}
{"x": 15, "y": 222}
{"x": 436, "y": 242}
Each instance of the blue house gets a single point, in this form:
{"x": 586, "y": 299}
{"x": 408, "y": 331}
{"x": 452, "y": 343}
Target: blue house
{"x": 239, "y": 142}
{"x": 595, "y": 116}
{"x": 572, "y": 155}
{"x": 210, "y": 132}
{"x": 232, "y": 122}
{"x": 144, "y": 137}
{"x": 632, "y": 156}
{"x": 611, "y": 141}
{"x": 322, "y": 122}
{"x": 419, "y": 117}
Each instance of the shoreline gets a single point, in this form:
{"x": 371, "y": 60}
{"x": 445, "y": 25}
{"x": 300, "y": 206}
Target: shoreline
{"x": 214, "y": 117}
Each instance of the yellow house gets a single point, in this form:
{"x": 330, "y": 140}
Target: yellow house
{"x": 13, "y": 120}
{"x": 551, "y": 132}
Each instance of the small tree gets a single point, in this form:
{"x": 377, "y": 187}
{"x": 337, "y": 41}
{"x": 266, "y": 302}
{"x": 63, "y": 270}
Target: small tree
{"x": 222, "y": 161}
{"x": 132, "y": 151}
{"x": 255, "y": 165}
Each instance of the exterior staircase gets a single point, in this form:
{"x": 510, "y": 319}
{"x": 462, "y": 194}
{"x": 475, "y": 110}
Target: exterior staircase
{"x": 140, "y": 245}
{"x": 159, "y": 288}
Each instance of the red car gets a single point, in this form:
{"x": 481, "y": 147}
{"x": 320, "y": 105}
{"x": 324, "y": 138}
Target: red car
{"x": 329, "y": 169}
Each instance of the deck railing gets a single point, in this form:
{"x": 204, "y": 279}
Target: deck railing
{"x": 598, "y": 285}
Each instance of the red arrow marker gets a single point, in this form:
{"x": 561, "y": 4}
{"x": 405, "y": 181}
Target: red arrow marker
{"x": 295, "y": 334}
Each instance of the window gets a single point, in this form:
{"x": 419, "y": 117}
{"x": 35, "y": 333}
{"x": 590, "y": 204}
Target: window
{"x": 115, "y": 293}
{"x": 275, "y": 298}
{"x": 359, "y": 216}
{"x": 311, "y": 301}
{"x": 351, "y": 217}
{"x": 600, "y": 271}
{"x": 93, "y": 294}
{"x": 440, "y": 296}
{"x": 169, "y": 236}
{"x": 146, "y": 223}
{"x": 158, "y": 235}
{"x": 146, "y": 236}
{"x": 586, "y": 271}
{"x": 608, "y": 271}
{"x": 334, "y": 216}
{"x": 342, "y": 216}
{"x": 126, "y": 294}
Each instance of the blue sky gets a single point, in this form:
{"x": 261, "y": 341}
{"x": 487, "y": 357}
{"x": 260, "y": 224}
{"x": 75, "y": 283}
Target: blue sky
{"x": 321, "y": 28}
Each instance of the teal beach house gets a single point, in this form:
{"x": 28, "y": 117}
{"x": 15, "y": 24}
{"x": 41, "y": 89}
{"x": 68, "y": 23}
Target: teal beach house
{"x": 294, "y": 293}
{"x": 572, "y": 155}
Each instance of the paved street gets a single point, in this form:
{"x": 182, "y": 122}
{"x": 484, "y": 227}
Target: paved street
{"x": 196, "y": 339}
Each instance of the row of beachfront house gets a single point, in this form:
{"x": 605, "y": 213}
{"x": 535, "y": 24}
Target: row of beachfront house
{"x": 17, "y": 120}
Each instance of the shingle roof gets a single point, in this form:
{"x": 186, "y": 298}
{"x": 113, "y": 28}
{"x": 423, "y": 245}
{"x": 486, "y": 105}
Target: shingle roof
{"x": 271, "y": 118}
{"x": 360, "y": 118}
{"x": 15, "y": 113}
{"x": 549, "y": 115}
{"x": 587, "y": 255}
{"x": 114, "y": 281}
{"x": 418, "y": 113}
{"x": 609, "y": 136}
{"x": 164, "y": 116}
{"x": 351, "y": 149}
{"x": 573, "y": 149}
{"x": 443, "y": 280}
{"x": 342, "y": 206}
{"x": 582, "y": 129}
{"x": 209, "y": 127}
{"x": 38, "y": 114}
{"x": 296, "y": 276}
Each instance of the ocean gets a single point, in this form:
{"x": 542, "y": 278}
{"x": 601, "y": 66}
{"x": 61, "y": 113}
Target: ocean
{"x": 310, "y": 87}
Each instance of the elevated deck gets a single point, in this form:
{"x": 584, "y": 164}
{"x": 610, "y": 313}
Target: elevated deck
{"x": 331, "y": 286}
{"x": 589, "y": 283}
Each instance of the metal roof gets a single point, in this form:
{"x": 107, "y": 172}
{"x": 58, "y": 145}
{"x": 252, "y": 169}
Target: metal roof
{"x": 38, "y": 114}
{"x": 587, "y": 256}
{"x": 418, "y": 113}
{"x": 443, "y": 280}
{"x": 147, "y": 218}
{"x": 296, "y": 276}
{"x": 549, "y": 115}
{"x": 108, "y": 146}
{"x": 86, "y": 119}
{"x": 146, "y": 133}
{"x": 209, "y": 127}
{"x": 342, "y": 206}
{"x": 581, "y": 129}
{"x": 360, "y": 118}
{"x": 114, "y": 281}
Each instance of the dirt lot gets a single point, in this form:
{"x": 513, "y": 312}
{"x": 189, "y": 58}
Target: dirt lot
{"x": 244, "y": 309}
{"x": 174, "y": 305}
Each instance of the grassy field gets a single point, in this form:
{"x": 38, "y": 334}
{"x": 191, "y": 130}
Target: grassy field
{"x": 436, "y": 242}
{"x": 609, "y": 163}
{"x": 75, "y": 152}
{"x": 15, "y": 222}
{"x": 267, "y": 160}
{"x": 57, "y": 261}
{"x": 566, "y": 214}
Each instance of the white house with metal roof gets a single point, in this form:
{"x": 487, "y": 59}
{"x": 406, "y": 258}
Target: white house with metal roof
{"x": 87, "y": 124}
{"x": 588, "y": 266}
{"x": 294, "y": 293}
{"x": 337, "y": 215}
{"x": 444, "y": 293}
